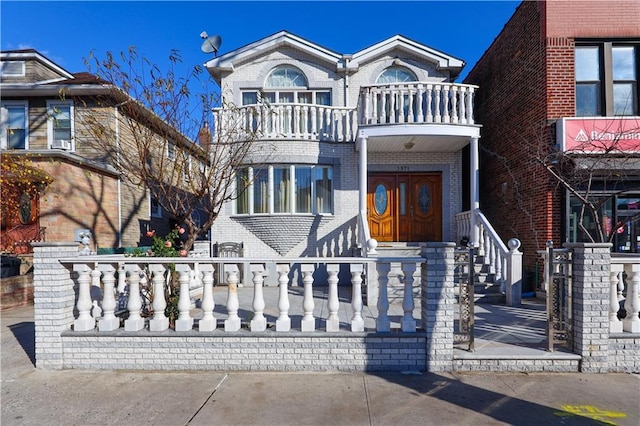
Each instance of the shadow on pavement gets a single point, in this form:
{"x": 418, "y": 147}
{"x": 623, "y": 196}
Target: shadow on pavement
{"x": 25, "y": 334}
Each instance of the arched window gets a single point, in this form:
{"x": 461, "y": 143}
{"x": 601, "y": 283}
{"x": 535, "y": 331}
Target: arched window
{"x": 286, "y": 76}
{"x": 396, "y": 74}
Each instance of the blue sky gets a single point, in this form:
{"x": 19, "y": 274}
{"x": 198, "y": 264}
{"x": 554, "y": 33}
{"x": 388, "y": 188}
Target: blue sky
{"x": 67, "y": 31}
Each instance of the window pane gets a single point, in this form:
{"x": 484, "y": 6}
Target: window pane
{"x": 249, "y": 98}
{"x": 323, "y": 189}
{"x": 16, "y": 138}
{"x": 285, "y": 97}
{"x": 303, "y": 189}
{"x": 286, "y": 77}
{"x": 323, "y": 98}
{"x": 242, "y": 182}
{"x": 588, "y": 100}
{"x": 587, "y": 63}
{"x": 396, "y": 75}
{"x": 624, "y": 64}
{"x": 623, "y": 99}
{"x": 260, "y": 191}
{"x": 281, "y": 193}
{"x": 304, "y": 97}
{"x": 16, "y": 126}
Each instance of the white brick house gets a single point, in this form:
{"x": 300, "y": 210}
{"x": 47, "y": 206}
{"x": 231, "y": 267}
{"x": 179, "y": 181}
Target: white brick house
{"x": 382, "y": 134}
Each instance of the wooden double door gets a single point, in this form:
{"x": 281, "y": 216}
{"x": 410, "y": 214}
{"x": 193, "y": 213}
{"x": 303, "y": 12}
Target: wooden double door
{"x": 405, "y": 207}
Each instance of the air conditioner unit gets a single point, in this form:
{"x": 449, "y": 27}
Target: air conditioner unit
{"x": 61, "y": 144}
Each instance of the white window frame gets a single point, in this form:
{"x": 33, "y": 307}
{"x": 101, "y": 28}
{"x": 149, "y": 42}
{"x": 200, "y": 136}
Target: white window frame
{"x": 171, "y": 150}
{"x": 157, "y": 213}
{"x": 51, "y": 106}
{"x": 4, "y": 118}
{"x": 292, "y": 192}
{"x": 21, "y": 73}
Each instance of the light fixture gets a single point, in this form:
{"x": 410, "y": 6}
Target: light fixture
{"x": 408, "y": 145}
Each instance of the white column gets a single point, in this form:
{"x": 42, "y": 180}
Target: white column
{"x": 631, "y": 321}
{"x": 615, "y": 325}
{"x": 233, "y": 322}
{"x": 258, "y": 322}
{"x": 362, "y": 178}
{"x": 283, "y": 323}
{"x": 135, "y": 322}
{"x": 357, "y": 322}
{"x": 308, "y": 321}
{"x": 85, "y": 321}
{"x": 184, "y": 321}
{"x": 109, "y": 322}
{"x": 474, "y": 186}
{"x": 383, "y": 325}
{"x": 159, "y": 322}
{"x": 333, "y": 304}
{"x": 208, "y": 322}
{"x": 408, "y": 322}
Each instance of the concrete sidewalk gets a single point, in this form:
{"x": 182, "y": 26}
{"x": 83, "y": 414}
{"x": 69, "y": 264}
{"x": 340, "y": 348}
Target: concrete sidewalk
{"x": 74, "y": 397}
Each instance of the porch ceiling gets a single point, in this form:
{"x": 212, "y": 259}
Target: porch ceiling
{"x": 417, "y": 138}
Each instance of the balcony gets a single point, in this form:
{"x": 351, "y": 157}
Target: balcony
{"x": 443, "y": 111}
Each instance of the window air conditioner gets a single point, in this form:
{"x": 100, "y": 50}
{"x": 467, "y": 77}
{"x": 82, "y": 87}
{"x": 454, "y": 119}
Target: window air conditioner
{"x": 61, "y": 144}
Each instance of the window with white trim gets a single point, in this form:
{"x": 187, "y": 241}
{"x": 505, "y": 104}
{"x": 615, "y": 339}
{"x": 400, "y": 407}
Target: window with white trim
{"x": 14, "y": 125}
{"x": 60, "y": 125}
{"x": 285, "y": 189}
{"x": 12, "y": 69}
{"x": 286, "y": 84}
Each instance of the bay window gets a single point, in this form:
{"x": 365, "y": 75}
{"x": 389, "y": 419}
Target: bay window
{"x": 285, "y": 189}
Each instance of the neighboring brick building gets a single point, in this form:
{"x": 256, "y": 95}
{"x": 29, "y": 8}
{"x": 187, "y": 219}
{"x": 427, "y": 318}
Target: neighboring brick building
{"x": 48, "y": 131}
{"x": 531, "y": 92}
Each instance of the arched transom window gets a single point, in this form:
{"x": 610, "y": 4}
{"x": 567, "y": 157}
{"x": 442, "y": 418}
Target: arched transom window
{"x": 396, "y": 74}
{"x": 286, "y": 84}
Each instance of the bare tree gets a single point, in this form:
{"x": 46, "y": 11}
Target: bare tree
{"x": 162, "y": 137}
{"x": 600, "y": 165}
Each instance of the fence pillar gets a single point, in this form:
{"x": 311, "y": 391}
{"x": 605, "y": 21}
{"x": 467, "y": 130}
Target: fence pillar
{"x": 591, "y": 281}
{"x": 438, "y": 300}
{"x": 513, "y": 288}
{"x": 53, "y": 301}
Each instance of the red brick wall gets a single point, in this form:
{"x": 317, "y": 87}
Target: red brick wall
{"x": 526, "y": 80}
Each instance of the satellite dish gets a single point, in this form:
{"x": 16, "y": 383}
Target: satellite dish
{"x": 210, "y": 44}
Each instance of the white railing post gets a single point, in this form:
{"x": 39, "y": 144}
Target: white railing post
{"x": 208, "y": 322}
{"x": 85, "y": 321}
{"x": 631, "y": 321}
{"x": 308, "y": 321}
{"x": 135, "y": 322}
{"x": 258, "y": 322}
{"x": 408, "y": 322}
{"x": 615, "y": 325}
{"x": 357, "y": 322}
{"x": 108, "y": 322}
{"x": 513, "y": 290}
{"x": 159, "y": 322}
{"x": 233, "y": 322}
{"x": 283, "y": 323}
{"x": 383, "y": 324}
{"x": 184, "y": 321}
{"x": 333, "y": 303}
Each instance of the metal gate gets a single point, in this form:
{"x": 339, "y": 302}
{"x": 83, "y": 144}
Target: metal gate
{"x": 464, "y": 278}
{"x": 559, "y": 297}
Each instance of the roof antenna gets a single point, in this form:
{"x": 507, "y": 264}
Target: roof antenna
{"x": 210, "y": 44}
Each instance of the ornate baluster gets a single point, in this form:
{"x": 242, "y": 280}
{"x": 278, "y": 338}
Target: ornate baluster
{"x": 454, "y": 104}
{"x": 383, "y": 107}
{"x": 445, "y": 104}
{"x": 374, "y": 108}
{"x": 308, "y": 321}
{"x": 85, "y": 321}
{"x": 283, "y": 323}
{"x": 314, "y": 121}
{"x": 208, "y": 322}
{"x": 437, "y": 116}
{"x": 184, "y": 321}
{"x": 429, "y": 103}
{"x": 333, "y": 321}
{"x": 615, "y": 325}
{"x": 631, "y": 321}
{"x": 383, "y": 325}
{"x": 109, "y": 322}
{"x": 233, "y": 322}
{"x": 134, "y": 322}
{"x": 419, "y": 109}
{"x": 408, "y": 322}
{"x": 258, "y": 322}
{"x": 159, "y": 322}
{"x": 96, "y": 293}
{"x": 357, "y": 322}
{"x": 469, "y": 106}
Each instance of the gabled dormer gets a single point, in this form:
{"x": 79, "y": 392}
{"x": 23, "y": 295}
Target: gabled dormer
{"x": 30, "y": 67}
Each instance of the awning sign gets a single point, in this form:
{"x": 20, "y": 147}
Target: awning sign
{"x": 599, "y": 135}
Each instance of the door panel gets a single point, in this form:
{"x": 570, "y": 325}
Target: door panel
{"x": 405, "y": 207}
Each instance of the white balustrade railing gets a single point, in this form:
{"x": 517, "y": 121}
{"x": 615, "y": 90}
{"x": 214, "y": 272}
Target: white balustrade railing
{"x": 417, "y": 102}
{"x": 289, "y": 121}
{"x": 625, "y": 283}
{"x": 101, "y": 271}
